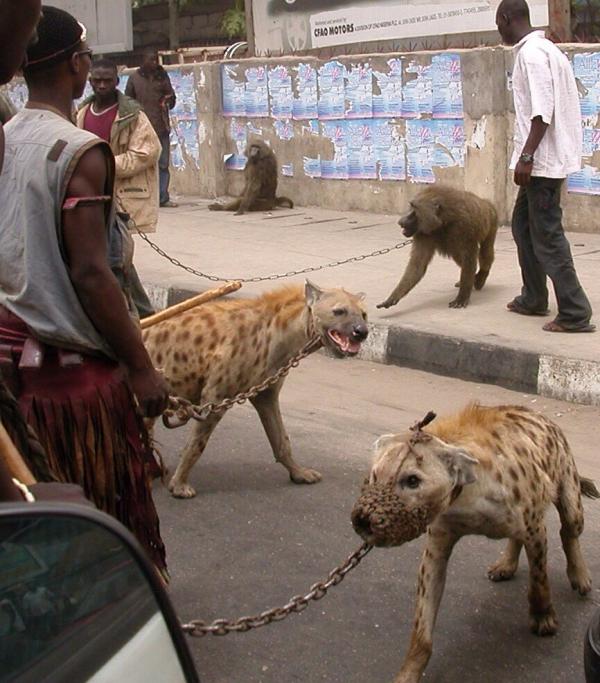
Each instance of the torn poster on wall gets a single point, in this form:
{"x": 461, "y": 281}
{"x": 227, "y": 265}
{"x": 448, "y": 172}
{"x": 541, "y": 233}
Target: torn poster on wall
{"x": 257, "y": 92}
{"x": 586, "y": 67}
{"x": 306, "y": 103}
{"x": 420, "y": 151}
{"x": 359, "y": 91}
{"x": 280, "y": 92}
{"x": 417, "y": 95}
{"x": 284, "y": 129}
{"x": 239, "y": 134}
{"x": 185, "y": 147}
{"x": 447, "y": 87}
{"x": 387, "y": 90}
{"x": 234, "y": 90}
{"x": 332, "y": 91}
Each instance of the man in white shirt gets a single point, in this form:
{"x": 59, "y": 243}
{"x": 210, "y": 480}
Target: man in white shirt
{"x": 547, "y": 147}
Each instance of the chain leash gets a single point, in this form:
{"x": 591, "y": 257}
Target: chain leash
{"x": 297, "y": 604}
{"x": 274, "y": 276}
{"x": 181, "y": 411}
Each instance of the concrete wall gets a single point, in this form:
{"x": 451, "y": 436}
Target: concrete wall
{"x": 487, "y": 119}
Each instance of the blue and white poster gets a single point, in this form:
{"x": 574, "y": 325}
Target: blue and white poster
{"x": 359, "y": 92}
{"x": 184, "y": 86}
{"x": 389, "y": 150}
{"x": 586, "y": 67}
{"x": 306, "y": 103}
{"x": 447, "y": 87}
{"x": 280, "y": 92}
{"x": 420, "y": 139}
{"x": 417, "y": 94}
{"x": 332, "y": 91}
{"x": 234, "y": 90}
{"x": 312, "y": 167}
{"x": 362, "y": 162}
{"x": 284, "y": 129}
{"x": 387, "y": 96}
{"x": 336, "y": 168}
{"x": 185, "y": 148}
{"x": 449, "y": 138}
{"x": 239, "y": 135}
{"x": 257, "y": 92}
{"x": 586, "y": 181}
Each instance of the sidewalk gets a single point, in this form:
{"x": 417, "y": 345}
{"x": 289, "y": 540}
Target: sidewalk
{"x": 483, "y": 343}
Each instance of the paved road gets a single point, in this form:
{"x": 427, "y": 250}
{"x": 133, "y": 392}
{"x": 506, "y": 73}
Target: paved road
{"x": 251, "y": 539}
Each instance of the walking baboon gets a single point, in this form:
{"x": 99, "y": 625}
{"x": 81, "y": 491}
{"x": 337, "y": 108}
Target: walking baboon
{"x": 454, "y": 223}
{"x": 260, "y": 183}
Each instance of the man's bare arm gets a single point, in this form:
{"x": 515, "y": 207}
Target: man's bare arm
{"x": 536, "y": 134}
{"x": 84, "y": 236}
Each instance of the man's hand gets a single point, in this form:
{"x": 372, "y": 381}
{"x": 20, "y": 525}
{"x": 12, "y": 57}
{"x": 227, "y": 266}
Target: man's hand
{"x": 523, "y": 173}
{"x": 151, "y": 391}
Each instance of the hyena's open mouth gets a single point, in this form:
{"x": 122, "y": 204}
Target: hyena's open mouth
{"x": 347, "y": 344}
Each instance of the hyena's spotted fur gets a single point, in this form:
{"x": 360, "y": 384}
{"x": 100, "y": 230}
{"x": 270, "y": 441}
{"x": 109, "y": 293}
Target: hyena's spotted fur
{"x": 486, "y": 470}
{"x": 222, "y": 348}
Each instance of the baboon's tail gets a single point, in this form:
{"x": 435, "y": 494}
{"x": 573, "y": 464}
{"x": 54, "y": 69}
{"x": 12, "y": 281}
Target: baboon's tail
{"x": 283, "y": 201}
{"x": 588, "y": 488}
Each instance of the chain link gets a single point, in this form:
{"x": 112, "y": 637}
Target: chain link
{"x": 274, "y": 276}
{"x": 181, "y": 411}
{"x": 297, "y": 604}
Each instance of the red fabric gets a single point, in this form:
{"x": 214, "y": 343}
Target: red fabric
{"x": 100, "y": 124}
{"x": 85, "y": 419}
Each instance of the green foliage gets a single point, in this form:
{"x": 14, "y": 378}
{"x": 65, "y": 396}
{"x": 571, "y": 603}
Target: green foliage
{"x": 234, "y": 21}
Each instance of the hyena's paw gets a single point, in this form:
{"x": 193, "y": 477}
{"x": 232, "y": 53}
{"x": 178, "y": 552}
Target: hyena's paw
{"x": 580, "y": 580}
{"x": 304, "y": 475}
{"x": 501, "y": 570}
{"x": 180, "y": 489}
{"x": 544, "y": 623}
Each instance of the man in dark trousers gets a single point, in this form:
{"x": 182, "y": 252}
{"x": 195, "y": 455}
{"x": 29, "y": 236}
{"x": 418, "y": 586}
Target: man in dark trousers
{"x": 151, "y": 87}
{"x": 547, "y": 147}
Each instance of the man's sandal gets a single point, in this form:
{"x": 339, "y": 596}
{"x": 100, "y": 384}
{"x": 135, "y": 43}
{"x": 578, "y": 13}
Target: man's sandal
{"x": 515, "y": 307}
{"x": 553, "y": 326}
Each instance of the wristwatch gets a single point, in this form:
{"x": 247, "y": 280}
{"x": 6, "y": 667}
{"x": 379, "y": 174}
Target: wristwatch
{"x": 526, "y": 158}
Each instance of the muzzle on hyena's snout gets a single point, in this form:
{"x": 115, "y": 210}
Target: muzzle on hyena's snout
{"x": 381, "y": 518}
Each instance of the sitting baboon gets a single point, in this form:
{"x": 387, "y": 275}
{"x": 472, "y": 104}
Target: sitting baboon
{"x": 454, "y": 223}
{"x": 260, "y": 183}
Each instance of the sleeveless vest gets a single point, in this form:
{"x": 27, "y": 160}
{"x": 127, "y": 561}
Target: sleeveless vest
{"x": 42, "y": 150}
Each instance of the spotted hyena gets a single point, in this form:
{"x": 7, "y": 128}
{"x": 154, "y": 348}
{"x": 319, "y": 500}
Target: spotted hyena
{"x": 222, "y": 348}
{"x": 490, "y": 471}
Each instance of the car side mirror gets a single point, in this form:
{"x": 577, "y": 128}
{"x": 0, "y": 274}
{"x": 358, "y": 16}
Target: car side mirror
{"x": 80, "y": 601}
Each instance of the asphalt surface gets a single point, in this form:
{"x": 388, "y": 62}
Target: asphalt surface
{"x": 251, "y": 539}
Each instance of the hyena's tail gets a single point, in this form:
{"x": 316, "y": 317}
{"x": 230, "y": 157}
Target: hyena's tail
{"x": 283, "y": 201}
{"x": 588, "y": 488}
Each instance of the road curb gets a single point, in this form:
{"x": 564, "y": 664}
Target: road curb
{"x": 567, "y": 379}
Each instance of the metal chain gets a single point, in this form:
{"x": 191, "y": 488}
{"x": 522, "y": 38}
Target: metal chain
{"x": 181, "y": 411}
{"x": 275, "y": 276}
{"x": 297, "y": 604}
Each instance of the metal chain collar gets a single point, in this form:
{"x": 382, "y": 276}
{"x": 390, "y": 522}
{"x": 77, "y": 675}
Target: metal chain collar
{"x": 297, "y": 604}
{"x": 275, "y": 276}
{"x": 181, "y": 411}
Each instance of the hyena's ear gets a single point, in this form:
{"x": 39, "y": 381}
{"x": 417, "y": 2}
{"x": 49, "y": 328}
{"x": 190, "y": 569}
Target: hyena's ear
{"x": 312, "y": 293}
{"x": 460, "y": 465}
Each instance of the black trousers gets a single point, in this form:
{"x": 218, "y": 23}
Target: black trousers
{"x": 544, "y": 251}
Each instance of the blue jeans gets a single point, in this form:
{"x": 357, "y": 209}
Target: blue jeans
{"x": 163, "y": 168}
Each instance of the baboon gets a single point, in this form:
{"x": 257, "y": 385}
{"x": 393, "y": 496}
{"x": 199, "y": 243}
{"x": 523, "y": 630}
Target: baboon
{"x": 454, "y": 223}
{"x": 260, "y": 183}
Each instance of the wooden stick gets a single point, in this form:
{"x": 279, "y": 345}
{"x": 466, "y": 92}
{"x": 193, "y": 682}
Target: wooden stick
{"x": 190, "y": 303}
{"x": 13, "y": 459}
